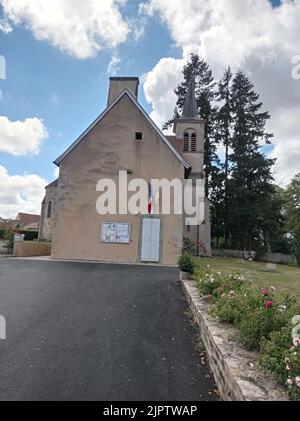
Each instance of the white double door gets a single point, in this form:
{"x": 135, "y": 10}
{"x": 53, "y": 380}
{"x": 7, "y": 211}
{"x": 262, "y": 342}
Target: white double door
{"x": 150, "y": 249}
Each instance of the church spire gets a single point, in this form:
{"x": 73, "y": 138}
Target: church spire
{"x": 190, "y": 109}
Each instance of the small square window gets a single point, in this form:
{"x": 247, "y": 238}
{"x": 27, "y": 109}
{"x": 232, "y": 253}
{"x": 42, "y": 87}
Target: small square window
{"x": 138, "y": 135}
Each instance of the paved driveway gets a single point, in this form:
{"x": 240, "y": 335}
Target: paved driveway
{"x": 83, "y": 331}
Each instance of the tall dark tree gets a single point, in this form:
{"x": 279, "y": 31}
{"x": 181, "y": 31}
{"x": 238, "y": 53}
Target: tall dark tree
{"x": 250, "y": 185}
{"x": 223, "y": 137}
{"x": 292, "y": 213}
{"x": 199, "y": 70}
{"x": 276, "y": 236}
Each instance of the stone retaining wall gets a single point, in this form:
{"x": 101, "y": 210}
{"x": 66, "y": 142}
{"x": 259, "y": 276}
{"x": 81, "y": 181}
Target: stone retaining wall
{"x": 280, "y": 258}
{"x": 31, "y": 248}
{"x": 233, "y": 368}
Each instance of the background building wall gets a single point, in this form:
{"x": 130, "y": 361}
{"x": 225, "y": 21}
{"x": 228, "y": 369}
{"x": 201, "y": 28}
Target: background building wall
{"x": 45, "y": 230}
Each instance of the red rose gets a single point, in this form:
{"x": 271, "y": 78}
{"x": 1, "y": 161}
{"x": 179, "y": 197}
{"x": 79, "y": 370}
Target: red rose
{"x": 264, "y": 292}
{"x": 268, "y": 304}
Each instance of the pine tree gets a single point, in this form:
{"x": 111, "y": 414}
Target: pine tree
{"x": 250, "y": 185}
{"x": 292, "y": 212}
{"x": 223, "y": 137}
{"x": 199, "y": 70}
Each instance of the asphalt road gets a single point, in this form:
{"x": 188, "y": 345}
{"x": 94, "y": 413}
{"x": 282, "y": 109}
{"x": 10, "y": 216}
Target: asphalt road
{"x": 83, "y": 331}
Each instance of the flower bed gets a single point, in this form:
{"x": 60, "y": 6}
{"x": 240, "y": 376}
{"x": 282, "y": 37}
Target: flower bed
{"x": 264, "y": 320}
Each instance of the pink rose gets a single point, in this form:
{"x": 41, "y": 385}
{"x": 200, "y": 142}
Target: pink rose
{"x": 264, "y": 292}
{"x": 297, "y": 380}
{"x": 296, "y": 341}
{"x": 268, "y": 304}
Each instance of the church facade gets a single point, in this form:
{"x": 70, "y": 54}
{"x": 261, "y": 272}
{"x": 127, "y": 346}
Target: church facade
{"x": 124, "y": 138}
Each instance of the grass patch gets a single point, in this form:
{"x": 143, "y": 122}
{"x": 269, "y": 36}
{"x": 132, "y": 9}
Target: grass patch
{"x": 286, "y": 279}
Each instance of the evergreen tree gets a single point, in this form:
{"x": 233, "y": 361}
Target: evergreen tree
{"x": 223, "y": 137}
{"x": 249, "y": 187}
{"x": 292, "y": 213}
{"x": 275, "y": 234}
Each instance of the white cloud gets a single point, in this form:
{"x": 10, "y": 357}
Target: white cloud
{"x": 288, "y": 159}
{"x": 247, "y": 34}
{"x": 56, "y": 172}
{"x": 163, "y": 79}
{"x": 80, "y": 28}
{"x": 113, "y": 66}
{"x": 5, "y": 26}
{"x": 21, "y": 137}
{"x": 20, "y": 193}
{"x": 55, "y": 99}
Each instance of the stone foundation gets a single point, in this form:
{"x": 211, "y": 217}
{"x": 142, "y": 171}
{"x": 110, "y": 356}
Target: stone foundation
{"x": 233, "y": 368}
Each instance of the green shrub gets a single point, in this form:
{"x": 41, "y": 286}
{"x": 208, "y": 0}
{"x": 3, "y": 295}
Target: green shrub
{"x": 256, "y": 314}
{"x": 292, "y": 359}
{"x": 186, "y": 263}
{"x": 2, "y": 233}
{"x": 272, "y": 353}
{"x": 263, "y": 322}
{"x": 211, "y": 282}
{"x": 279, "y": 357}
{"x": 30, "y": 235}
{"x": 189, "y": 246}
{"x": 230, "y": 307}
{"x": 259, "y": 323}
{"x": 9, "y": 240}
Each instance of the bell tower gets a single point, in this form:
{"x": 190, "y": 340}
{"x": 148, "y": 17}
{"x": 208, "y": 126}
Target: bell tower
{"x": 189, "y": 130}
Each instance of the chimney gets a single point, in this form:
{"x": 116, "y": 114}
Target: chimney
{"x": 118, "y": 84}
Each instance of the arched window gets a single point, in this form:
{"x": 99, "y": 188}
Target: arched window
{"x": 194, "y": 142}
{"x": 186, "y": 142}
{"x": 50, "y": 209}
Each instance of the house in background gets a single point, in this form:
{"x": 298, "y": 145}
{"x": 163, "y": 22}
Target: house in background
{"x": 27, "y": 222}
{"x": 3, "y": 224}
{"x": 124, "y": 138}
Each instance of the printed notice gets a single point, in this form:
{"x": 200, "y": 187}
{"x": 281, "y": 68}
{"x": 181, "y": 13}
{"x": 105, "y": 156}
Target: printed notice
{"x": 116, "y": 232}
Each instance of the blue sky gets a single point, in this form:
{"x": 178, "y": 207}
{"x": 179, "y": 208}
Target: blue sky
{"x": 43, "y": 82}
{"x": 50, "y": 79}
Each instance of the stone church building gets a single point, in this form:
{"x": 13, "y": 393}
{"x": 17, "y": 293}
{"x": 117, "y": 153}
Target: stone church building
{"x": 124, "y": 138}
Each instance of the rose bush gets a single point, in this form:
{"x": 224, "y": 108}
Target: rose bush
{"x": 281, "y": 356}
{"x": 263, "y": 319}
{"x": 212, "y": 282}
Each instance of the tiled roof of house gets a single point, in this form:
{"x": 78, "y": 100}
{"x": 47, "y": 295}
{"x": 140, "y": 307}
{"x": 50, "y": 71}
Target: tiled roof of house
{"x": 34, "y": 226}
{"x": 28, "y": 218}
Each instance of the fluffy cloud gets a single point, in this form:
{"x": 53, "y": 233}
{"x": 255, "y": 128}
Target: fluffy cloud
{"x": 113, "y": 65}
{"x": 80, "y": 28}
{"x": 56, "y": 172}
{"x": 5, "y": 26}
{"x": 248, "y": 34}
{"x": 21, "y": 137}
{"x": 163, "y": 78}
{"x": 20, "y": 193}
